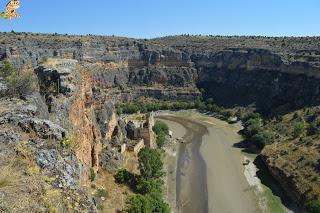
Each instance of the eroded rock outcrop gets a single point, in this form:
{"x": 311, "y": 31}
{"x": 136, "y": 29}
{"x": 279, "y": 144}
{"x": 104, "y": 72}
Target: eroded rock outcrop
{"x": 85, "y": 127}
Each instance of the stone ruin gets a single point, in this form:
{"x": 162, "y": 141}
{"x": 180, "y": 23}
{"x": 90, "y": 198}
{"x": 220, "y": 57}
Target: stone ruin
{"x": 142, "y": 130}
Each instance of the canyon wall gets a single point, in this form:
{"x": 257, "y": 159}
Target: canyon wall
{"x": 81, "y": 78}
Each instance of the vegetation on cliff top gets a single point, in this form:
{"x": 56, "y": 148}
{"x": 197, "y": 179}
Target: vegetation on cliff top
{"x": 293, "y": 146}
{"x": 145, "y": 106}
{"x": 17, "y": 83}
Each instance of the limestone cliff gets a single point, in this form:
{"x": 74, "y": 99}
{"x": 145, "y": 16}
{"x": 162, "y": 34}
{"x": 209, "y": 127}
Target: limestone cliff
{"x": 81, "y": 78}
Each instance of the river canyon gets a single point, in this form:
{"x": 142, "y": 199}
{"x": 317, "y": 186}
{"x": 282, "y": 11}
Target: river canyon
{"x": 66, "y": 130}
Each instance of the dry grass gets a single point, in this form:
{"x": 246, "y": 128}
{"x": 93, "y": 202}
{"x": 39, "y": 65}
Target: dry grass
{"x": 3, "y": 108}
{"x": 24, "y": 187}
{"x": 27, "y": 159}
{"x": 54, "y": 62}
{"x": 9, "y": 176}
{"x": 71, "y": 143}
{"x": 52, "y": 199}
{"x": 137, "y": 117}
{"x": 117, "y": 194}
{"x": 19, "y": 188}
{"x": 131, "y": 162}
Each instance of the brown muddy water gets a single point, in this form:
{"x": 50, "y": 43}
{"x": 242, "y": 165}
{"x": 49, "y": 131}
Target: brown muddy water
{"x": 191, "y": 170}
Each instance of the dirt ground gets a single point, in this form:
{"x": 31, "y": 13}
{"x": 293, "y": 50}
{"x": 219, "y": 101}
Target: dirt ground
{"x": 117, "y": 193}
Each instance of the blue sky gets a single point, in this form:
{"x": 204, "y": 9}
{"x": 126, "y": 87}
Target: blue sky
{"x": 150, "y": 18}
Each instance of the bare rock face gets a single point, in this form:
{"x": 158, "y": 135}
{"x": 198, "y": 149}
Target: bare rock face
{"x": 67, "y": 166}
{"x": 33, "y": 156}
{"x": 85, "y": 127}
{"x": 43, "y": 128}
{"x": 111, "y": 160}
{"x": 107, "y": 119}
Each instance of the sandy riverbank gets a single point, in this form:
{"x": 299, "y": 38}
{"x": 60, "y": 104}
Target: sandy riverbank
{"x": 210, "y": 173}
{"x": 170, "y": 164}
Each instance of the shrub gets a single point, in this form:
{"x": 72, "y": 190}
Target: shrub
{"x": 253, "y": 131}
{"x": 99, "y": 197}
{"x": 147, "y": 186}
{"x": 261, "y": 139}
{"x": 251, "y": 127}
{"x": 157, "y": 204}
{"x": 124, "y": 177}
{"x": 8, "y": 176}
{"x": 161, "y": 129}
{"x": 305, "y": 140}
{"x": 146, "y": 204}
{"x": 17, "y": 83}
{"x": 7, "y": 69}
{"x": 313, "y": 206}
{"x": 102, "y": 193}
{"x": 71, "y": 143}
{"x": 253, "y": 115}
{"x": 298, "y": 129}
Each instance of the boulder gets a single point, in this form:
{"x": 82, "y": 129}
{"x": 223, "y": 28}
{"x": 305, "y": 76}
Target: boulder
{"x": 3, "y": 88}
{"x": 43, "y": 128}
{"x": 111, "y": 159}
{"x": 67, "y": 167}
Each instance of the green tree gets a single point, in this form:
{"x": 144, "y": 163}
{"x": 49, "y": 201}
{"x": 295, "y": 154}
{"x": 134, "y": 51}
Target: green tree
{"x": 157, "y": 203}
{"x": 150, "y": 163}
{"x": 261, "y": 139}
{"x": 209, "y": 101}
{"x": 161, "y": 139}
{"x": 147, "y": 186}
{"x": 138, "y": 204}
{"x": 124, "y": 177}
{"x": 160, "y": 127}
{"x": 251, "y": 127}
{"x": 253, "y": 115}
{"x": 313, "y": 206}
{"x": 119, "y": 110}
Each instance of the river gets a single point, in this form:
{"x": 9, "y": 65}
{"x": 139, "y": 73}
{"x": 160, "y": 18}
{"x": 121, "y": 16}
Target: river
{"x": 210, "y": 175}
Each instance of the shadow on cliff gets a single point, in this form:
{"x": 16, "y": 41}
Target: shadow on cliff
{"x": 266, "y": 179}
{"x": 246, "y": 147}
{"x": 272, "y": 93}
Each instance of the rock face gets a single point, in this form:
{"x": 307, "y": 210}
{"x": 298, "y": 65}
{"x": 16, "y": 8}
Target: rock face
{"x": 84, "y": 124}
{"x": 81, "y": 78}
{"x": 260, "y": 77}
{"x": 34, "y": 161}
